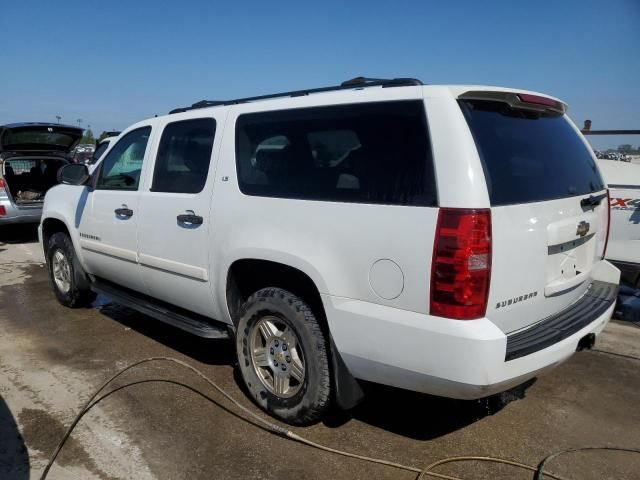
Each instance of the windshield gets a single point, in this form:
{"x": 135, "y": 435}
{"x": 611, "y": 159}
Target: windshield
{"x": 529, "y": 156}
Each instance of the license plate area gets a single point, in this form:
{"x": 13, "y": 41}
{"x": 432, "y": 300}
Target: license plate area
{"x": 571, "y": 252}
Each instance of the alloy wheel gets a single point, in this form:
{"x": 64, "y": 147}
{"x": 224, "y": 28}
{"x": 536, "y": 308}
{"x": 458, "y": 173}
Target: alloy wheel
{"x": 277, "y": 357}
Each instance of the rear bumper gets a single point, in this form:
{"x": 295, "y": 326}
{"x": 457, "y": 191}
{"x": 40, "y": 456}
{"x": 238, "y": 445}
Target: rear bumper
{"x": 596, "y": 301}
{"x": 458, "y": 359}
{"x": 19, "y": 215}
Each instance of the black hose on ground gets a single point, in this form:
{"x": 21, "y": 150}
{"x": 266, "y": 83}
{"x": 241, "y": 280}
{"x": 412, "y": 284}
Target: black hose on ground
{"x": 541, "y": 465}
{"x": 256, "y": 420}
{"x": 615, "y": 354}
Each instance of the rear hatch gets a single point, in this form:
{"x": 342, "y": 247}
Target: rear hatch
{"x": 38, "y": 137}
{"x": 549, "y": 208}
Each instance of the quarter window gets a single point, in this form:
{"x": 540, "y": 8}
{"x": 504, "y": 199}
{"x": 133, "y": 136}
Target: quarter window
{"x": 367, "y": 153}
{"x": 184, "y": 156}
{"x": 121, "y": 168}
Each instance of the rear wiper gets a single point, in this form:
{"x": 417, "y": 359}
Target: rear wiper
{"x": 592, "y": 201}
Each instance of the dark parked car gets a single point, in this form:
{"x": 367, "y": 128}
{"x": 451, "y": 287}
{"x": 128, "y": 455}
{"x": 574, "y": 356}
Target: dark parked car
{"x": 30, "y": 156}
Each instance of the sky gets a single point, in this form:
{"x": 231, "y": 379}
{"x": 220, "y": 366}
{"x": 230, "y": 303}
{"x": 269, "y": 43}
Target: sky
{"x": 114, "y": 63}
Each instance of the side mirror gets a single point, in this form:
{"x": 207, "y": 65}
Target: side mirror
{"x": 73, "y": 174}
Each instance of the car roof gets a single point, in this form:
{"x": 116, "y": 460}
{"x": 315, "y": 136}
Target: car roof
{"x": 342, "y": 94}
{"x": 295, "y": 97}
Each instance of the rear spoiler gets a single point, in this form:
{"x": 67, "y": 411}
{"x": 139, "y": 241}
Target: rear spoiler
{"x": 522, "y": 101}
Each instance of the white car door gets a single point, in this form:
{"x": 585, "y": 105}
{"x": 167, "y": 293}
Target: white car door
{"x": 108, "y": 222}
{"x": 174, "y": 220}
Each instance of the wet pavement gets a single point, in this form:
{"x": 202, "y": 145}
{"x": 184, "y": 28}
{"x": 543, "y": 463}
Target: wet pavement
{"x": 53, "y": 358}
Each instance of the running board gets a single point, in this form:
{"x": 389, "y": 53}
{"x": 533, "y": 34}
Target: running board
{"x": 183, "y": 319}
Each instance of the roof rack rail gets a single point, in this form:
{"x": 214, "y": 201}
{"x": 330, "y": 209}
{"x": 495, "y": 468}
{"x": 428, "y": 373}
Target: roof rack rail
{"x": 200, "y": 104}
{"x": 357, "y": 82}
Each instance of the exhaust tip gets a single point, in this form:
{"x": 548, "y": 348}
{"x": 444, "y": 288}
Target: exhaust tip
{"x": 587, "y": 342}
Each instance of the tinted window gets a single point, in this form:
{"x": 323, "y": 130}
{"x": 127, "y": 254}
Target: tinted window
{"x": 369, "y": 153}
{"x": 39, "y": 136}
{"x": 121, "y": 168}
{"x": 184, "y": 155}
{"x": 528, "y": 156}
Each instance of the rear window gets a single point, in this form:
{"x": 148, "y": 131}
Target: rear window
{"x": 529, "y": 156}
{"x": 19, "y": 167}
{"x": 38, "y": 136}
{"x": 363, "y": 153}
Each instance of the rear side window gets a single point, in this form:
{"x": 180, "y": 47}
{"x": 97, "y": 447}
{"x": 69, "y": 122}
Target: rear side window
{"x": 184, "y": 155}
{"x": 366, "y": 153}
{"x": 529, "y": 156}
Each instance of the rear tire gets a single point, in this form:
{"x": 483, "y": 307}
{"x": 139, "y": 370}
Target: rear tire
{"x": 68, "y": 279}
{"x": 282, "y": 353}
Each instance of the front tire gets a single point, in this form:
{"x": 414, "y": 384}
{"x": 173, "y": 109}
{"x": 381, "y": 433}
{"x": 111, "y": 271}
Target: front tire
{"x": 282, "y": 353}
{"x": 68, "y": 279}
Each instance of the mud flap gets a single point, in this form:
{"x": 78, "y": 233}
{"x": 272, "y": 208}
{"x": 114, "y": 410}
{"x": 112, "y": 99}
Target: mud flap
{"x": 348, "y": 392}
{"x": 82, "y": 280}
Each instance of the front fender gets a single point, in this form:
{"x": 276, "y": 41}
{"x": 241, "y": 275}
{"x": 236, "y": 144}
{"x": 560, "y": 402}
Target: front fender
{"x": 67, "y": 204}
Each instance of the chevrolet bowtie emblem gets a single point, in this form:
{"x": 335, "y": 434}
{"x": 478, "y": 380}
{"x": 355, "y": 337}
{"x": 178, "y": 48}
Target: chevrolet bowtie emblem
{"x": 583, "y": 228}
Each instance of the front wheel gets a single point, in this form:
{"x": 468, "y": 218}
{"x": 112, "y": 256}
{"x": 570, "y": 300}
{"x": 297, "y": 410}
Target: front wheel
{"x": 68, "y": 279}
{"x": 282, "y": 353}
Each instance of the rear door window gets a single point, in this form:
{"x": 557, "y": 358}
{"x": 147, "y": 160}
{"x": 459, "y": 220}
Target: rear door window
{"x": 364, "y": 153}
{"x": 529, "y": 156}
{"x": 184, "y": 155}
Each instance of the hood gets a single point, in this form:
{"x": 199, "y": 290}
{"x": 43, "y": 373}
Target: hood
{"x": 38, "y": 137}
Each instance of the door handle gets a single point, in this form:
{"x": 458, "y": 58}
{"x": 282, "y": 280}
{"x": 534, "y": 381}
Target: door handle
{"x": 189, "y": 218}
{"x": 124, "y": 212}
{"x": 592, "y": 201}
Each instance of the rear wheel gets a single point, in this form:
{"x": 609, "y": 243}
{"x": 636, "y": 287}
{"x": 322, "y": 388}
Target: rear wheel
{"x": 282, "y": 353}
{"x": 68, "y": 278}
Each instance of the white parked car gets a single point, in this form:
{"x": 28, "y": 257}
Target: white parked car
{"x": 443, "y": 239}
{"x": 101, "y": 147}
{"x": 623, "y": 250}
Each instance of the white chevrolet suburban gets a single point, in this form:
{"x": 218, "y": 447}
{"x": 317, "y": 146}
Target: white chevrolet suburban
{"x": 443, "y": 239}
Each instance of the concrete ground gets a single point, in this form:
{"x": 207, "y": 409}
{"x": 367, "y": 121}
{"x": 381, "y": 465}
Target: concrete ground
{"x": 53, "y": 358}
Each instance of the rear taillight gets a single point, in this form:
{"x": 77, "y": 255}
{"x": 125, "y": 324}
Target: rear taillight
{"x": 3, "y": 212}
{"x": 3, "y": 186}
{"x": 606, "y": 239}
{"x": 461, "y": 263}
